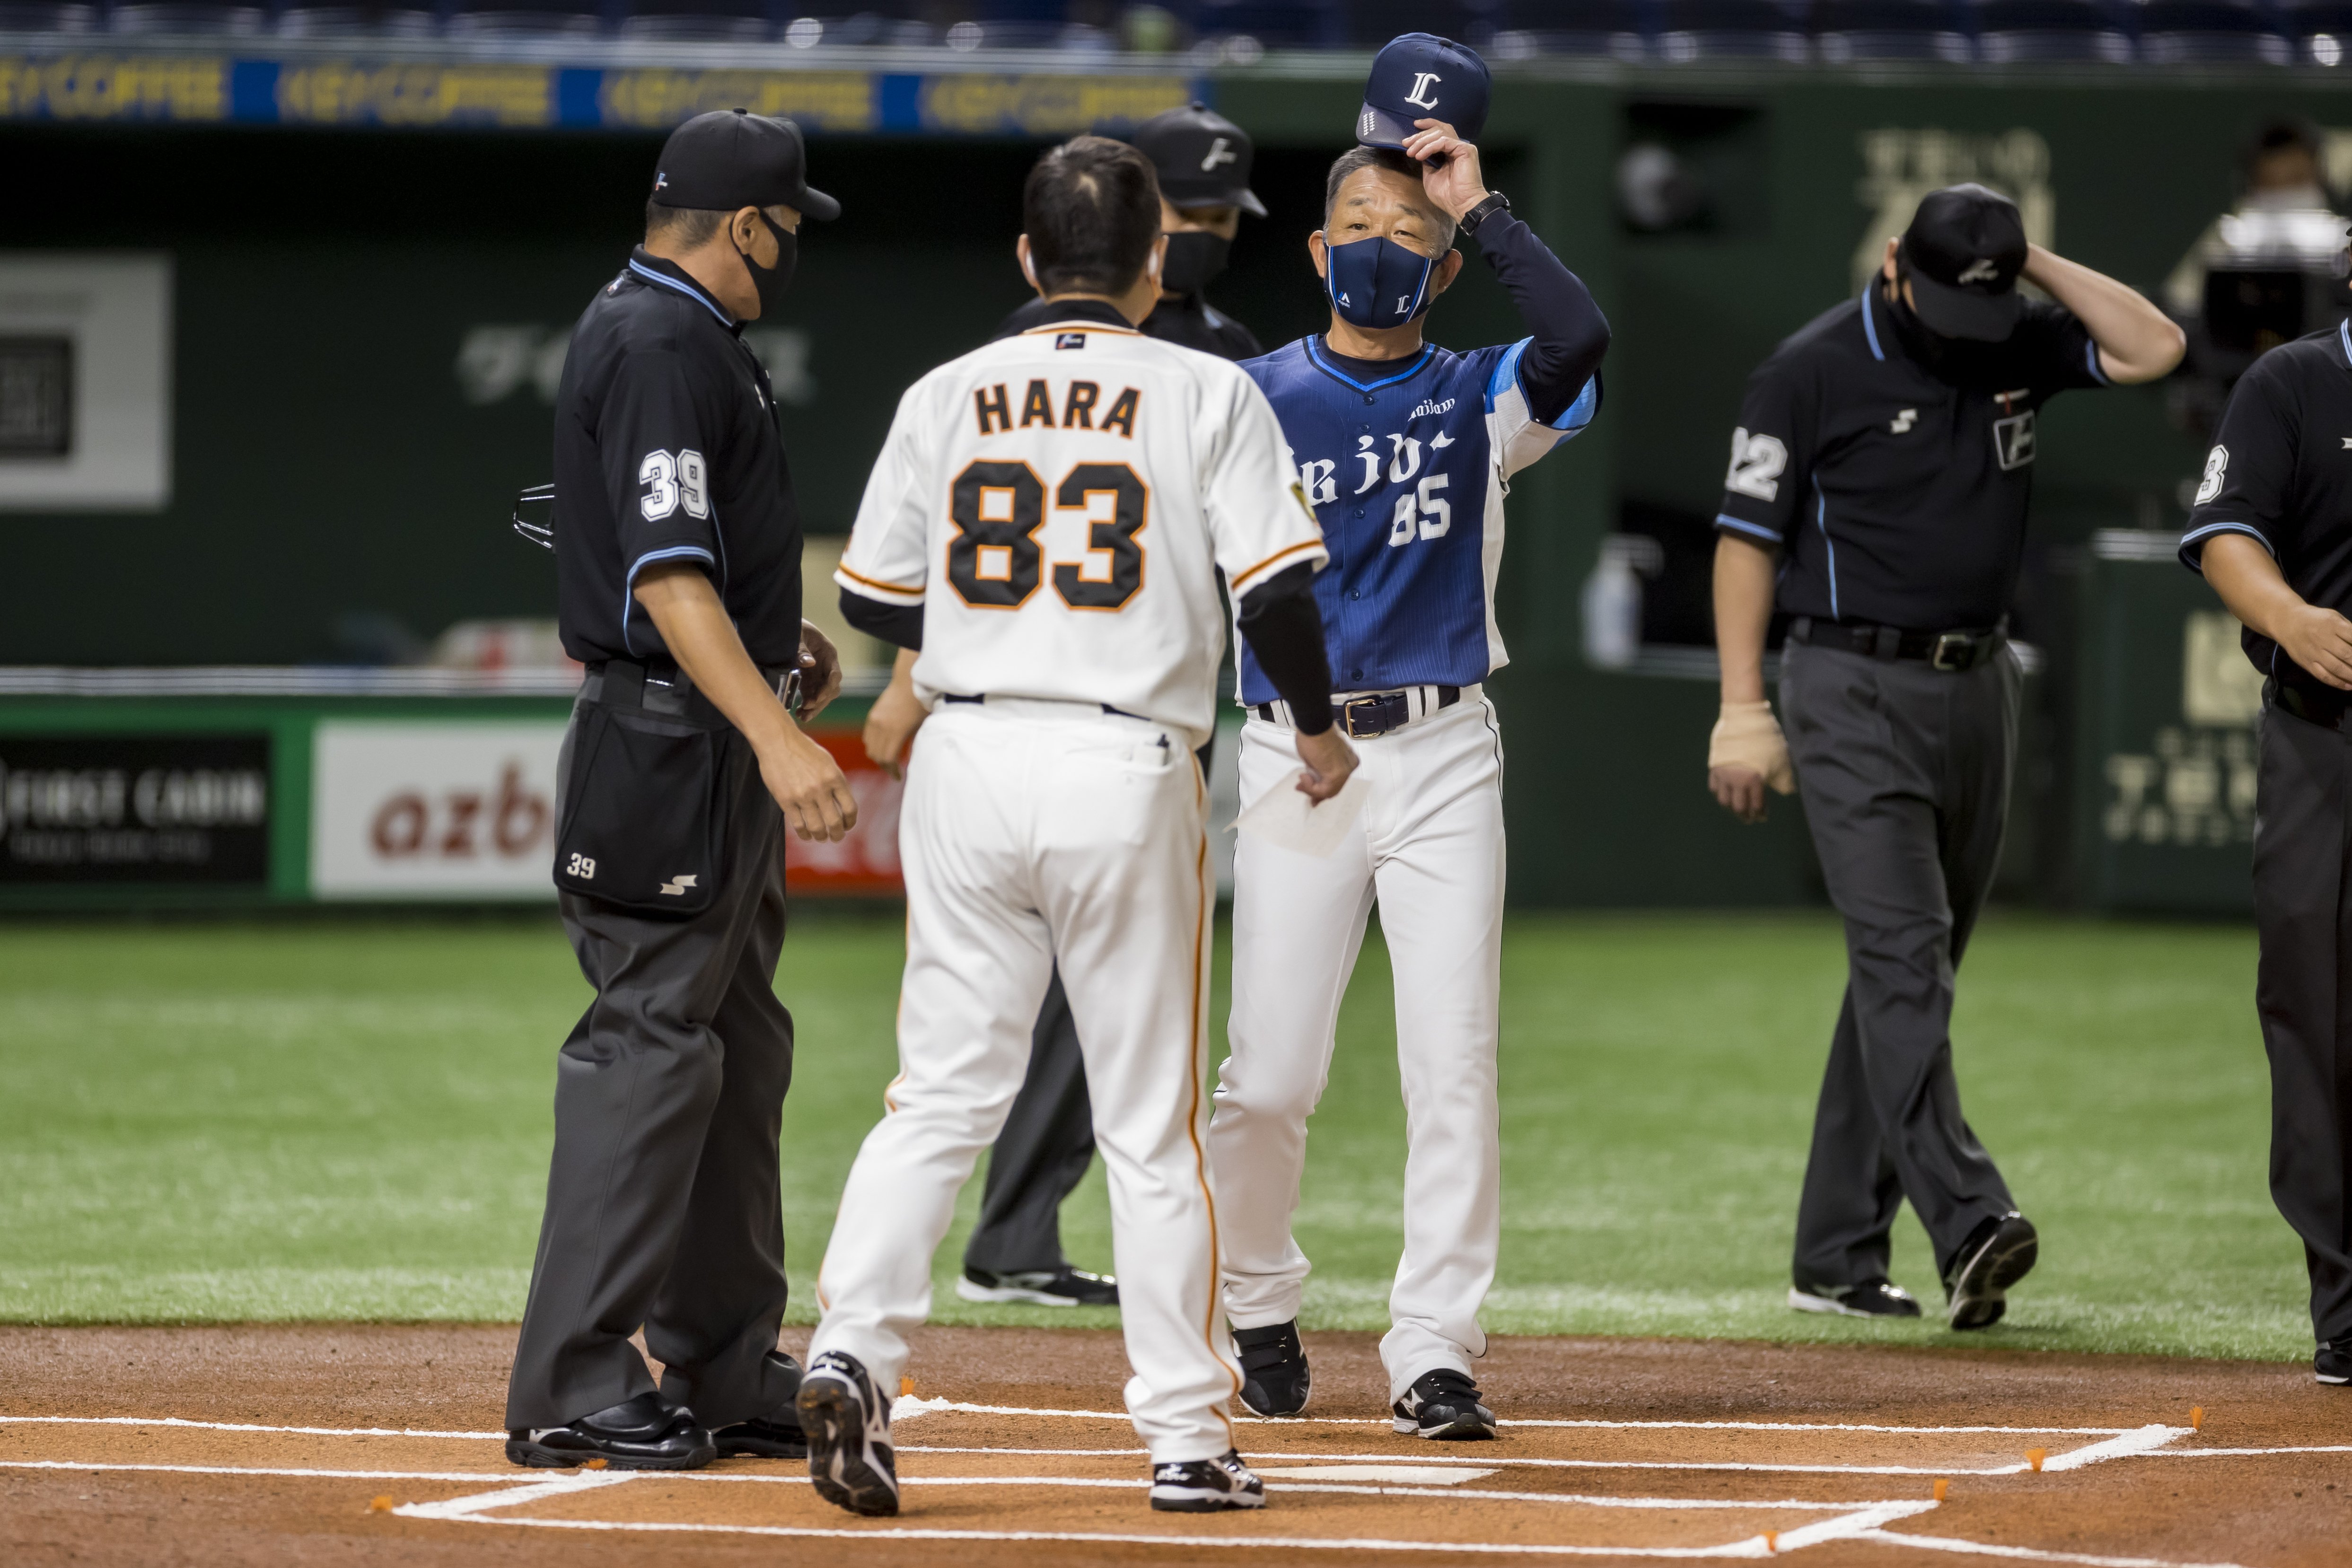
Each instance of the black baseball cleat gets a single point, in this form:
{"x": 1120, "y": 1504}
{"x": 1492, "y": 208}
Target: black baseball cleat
{"x": 1443, "y": 1404}
{"x": 1062, "y": 1287}
{"x": 2332, "y": 1363}
{"x": 1206, "y": 1486}
{"x": 1998, "y": 1254}
{"x": 848, "y": 1428}
{"x": 1871, "y": 1299}
{"x": 776, "y": 1434}
{"x": 1274, "y": 1380}
{"x": 641, "y": 1434}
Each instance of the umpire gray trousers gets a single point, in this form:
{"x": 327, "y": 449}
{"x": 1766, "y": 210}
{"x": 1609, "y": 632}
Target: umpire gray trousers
{"x": 1905, "y": 774}
{"x": 664, "y": 1207}
{"x": 2303, "y": 908}
{"x": 1042, "y": 1153}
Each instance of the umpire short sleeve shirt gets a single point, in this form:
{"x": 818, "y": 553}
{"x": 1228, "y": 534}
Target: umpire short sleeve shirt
{"x": 667, "y": 449}
{"x": 1893, "y": 468}
{"x": 2281, "y": 474}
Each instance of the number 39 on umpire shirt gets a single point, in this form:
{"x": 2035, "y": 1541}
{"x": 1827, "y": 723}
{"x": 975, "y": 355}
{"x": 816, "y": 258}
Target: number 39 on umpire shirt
{"x": 667, "y": 449}
{"x": 1893, "y": 466}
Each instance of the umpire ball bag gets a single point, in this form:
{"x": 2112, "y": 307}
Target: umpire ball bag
{"x": 646, "y": 809}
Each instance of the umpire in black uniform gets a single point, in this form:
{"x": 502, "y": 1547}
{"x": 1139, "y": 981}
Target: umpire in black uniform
{"x": 1877, "y": 496}
{"x": 679, "y": 572}
{"x": 2272, "y": 531}
{"x": 1203, "y": 160}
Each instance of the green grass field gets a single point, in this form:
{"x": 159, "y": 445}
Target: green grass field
{"x": 350, "y": 1121}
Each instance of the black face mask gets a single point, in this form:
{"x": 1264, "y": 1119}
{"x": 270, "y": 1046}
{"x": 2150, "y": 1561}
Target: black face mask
{"x": 1194, "y": 256}
{"x": 1965, "y": 362}
{"x": 771, "y": 281}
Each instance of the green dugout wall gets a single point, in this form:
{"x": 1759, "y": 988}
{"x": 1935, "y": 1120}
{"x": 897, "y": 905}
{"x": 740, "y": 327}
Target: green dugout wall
{"x": 365, "y": 317}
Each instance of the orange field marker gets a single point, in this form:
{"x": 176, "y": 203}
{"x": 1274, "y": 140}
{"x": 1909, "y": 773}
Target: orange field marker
{"x": 2035, "y": 1456}
{"x": 600, "y": 1464}
{"x": 1941, "y": 1488}
{"x": 2197, "y": 1417}
{"x": 1771, "y": 1541}
{"x": 906, "y": 1388}
{"x": 379, "y": 1505}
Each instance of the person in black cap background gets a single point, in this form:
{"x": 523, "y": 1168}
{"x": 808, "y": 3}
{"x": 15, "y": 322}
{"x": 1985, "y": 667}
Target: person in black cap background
{"x": 1877, "y": 495}
{"x": 2272, "y": 531}
{"x": 1015, "y": 1254}
{"x": 678, "y": 580}
{"x": 1203, "y": 160}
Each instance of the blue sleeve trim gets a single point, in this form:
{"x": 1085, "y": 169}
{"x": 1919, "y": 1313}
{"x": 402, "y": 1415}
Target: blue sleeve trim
{"x": 1507, "y": 373}
{"x": 1757, "y": 530}
{"x": 1580, "y": 413}
{"x": 2192, "y": 543}
{"x": 629, "y": 589}
{"x": 2091, "y": 361}
{"x": 1869, "y": 328}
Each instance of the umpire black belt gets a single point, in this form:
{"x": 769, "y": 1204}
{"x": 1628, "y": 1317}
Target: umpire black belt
{"x": 1954, "y": 651}
{"x": 661, "y": 687}
{"x": 1367, "y": 714}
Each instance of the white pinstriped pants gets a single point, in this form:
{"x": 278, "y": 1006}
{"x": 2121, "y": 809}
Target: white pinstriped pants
{"x": 1032, "y": 832}
{"x": 1428, "y": 848}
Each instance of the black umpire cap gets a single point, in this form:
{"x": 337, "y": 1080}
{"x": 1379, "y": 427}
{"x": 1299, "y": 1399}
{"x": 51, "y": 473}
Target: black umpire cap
{"x": 730, "y": 159}
{"x": 1202, "y": 159}
{"x": 1963, "y": 252}
{"x": 1420, "y": 76}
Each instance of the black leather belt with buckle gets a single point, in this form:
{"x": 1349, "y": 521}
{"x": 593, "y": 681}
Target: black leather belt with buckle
{"x": 1363, "y": 718}
{"x": 1951, "y": 652}
{"x": 623, "y": 682}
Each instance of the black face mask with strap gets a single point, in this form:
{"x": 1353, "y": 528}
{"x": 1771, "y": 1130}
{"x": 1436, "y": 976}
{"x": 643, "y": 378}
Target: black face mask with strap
{"x": 1194, "y": 256}
{"x": 771, "y": 281}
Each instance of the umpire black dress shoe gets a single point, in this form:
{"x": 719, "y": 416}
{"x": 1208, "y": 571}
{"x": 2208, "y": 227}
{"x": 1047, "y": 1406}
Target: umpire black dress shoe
{"x": 1998, "y": 1253}
{"x": 776, "y": 1434}
{"x": 644, "y": 1434}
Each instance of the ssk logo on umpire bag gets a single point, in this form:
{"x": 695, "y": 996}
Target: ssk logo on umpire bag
{"x": 2012, "y": 439}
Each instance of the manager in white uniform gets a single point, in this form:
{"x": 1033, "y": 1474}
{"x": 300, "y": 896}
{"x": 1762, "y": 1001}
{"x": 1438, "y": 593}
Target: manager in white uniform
{"x": 1045, "y": 524}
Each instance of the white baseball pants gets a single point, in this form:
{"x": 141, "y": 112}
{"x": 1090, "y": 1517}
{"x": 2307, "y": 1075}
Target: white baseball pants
{"x": 1032, "y": 830}
{"x": 1429, "y": 847}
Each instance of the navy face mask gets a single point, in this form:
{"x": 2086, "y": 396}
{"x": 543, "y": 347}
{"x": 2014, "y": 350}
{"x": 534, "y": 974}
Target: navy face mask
{"x": 1377, "y": 282}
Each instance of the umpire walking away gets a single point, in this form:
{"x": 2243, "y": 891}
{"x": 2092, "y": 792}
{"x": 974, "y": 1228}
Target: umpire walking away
{"x": 679, "y": 572}
{"x": 1203, "y": 160}
{"x": 2272, "y": 531}
{"x": 1877, "y": 496}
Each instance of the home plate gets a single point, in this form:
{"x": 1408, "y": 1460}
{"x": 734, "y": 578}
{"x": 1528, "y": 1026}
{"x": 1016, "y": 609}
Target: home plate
{"x": 1402, "y": 1475}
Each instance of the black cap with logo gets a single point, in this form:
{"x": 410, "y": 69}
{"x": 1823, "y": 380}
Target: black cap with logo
{"x": 728, "y": 160}
{"x": 1962, "y": 253}
{"x": 1202, "y": 159}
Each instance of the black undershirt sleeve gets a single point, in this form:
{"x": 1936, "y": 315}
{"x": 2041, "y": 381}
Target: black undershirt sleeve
{"x": 1283, "y": 627}
{"x": 901, "y": 624}
{"x": 1570, "y": 331}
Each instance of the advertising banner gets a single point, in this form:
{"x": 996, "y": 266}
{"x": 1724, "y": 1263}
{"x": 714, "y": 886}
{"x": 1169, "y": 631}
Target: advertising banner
{"x": 134, "y": 808}
{"x": 434, "y": 811}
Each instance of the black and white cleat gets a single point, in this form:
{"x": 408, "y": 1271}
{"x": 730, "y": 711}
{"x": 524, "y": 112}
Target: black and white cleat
{"x": 1206, "y": 1486}
{"x": 848, "y": 1429}
{"x": 1443, "y": 1404}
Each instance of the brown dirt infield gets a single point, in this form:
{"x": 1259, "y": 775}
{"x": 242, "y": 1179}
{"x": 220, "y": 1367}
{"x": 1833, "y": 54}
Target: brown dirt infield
{"x": 1659, "y": 1449}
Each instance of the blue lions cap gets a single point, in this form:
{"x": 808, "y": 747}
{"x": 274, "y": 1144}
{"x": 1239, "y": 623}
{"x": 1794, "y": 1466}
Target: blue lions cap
{"x": 1423, "y": 76}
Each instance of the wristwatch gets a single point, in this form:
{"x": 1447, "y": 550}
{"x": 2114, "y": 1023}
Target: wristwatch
{"x": 1495, "y": 202}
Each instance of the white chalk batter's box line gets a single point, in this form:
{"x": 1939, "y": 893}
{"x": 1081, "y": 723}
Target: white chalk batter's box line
{"x": 1861, "y": 1521}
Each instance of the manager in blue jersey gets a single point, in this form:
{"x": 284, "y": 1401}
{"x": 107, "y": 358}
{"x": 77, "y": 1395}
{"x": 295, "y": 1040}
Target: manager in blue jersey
{"x": 1405, "y": 450}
